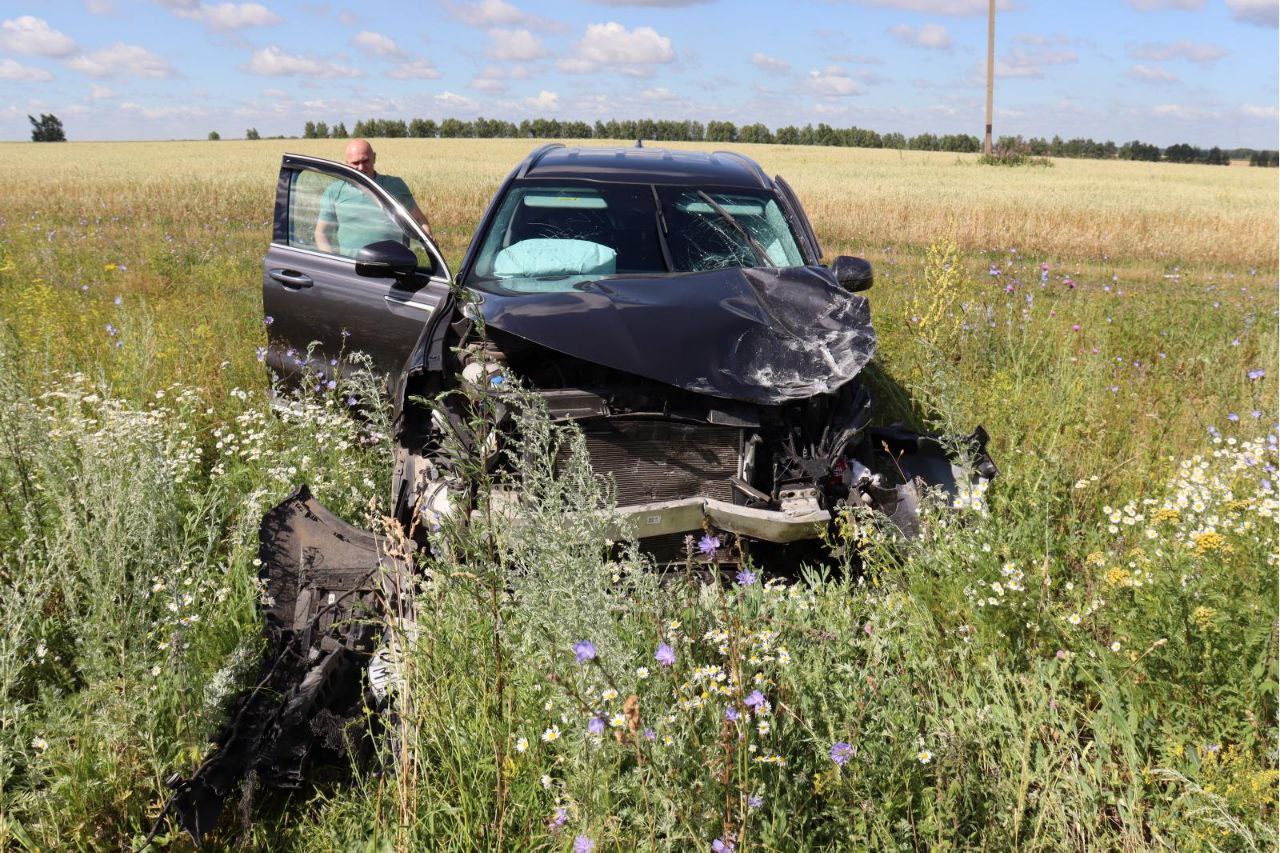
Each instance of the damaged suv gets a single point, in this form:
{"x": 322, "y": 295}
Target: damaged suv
{"x": 671, "y": 304}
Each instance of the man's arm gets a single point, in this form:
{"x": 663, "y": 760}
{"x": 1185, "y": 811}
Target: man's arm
{"x": 421, "y": 218}
{"x": 326, "y": 221}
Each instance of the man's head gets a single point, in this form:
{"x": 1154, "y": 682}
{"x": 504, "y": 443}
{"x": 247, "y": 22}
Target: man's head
{"x": 360, "y": 156}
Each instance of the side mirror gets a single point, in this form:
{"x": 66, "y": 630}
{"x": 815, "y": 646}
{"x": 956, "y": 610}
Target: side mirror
{"x": 385, "y": 259}
{"x": 853, "y": 274}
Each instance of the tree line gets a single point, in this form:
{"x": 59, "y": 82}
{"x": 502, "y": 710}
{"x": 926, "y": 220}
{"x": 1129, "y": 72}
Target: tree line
{"x": 665, "y": 130}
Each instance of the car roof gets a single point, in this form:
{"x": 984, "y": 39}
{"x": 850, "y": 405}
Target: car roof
{"x": 644, "y": 166}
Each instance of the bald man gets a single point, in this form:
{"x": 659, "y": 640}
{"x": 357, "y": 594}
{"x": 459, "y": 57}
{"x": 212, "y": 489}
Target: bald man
{"x": 348, "y": 218}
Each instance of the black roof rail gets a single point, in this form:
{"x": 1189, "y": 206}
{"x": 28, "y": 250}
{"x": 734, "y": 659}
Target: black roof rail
{"x": 538, "y": 154}
{"x": 751, "y": 165}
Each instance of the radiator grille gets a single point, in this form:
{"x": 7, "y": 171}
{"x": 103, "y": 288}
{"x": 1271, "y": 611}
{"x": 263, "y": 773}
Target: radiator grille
{"x": 653, "y": 460}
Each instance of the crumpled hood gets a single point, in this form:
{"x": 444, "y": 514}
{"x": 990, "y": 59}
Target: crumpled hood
{"x": 758, "y": 335}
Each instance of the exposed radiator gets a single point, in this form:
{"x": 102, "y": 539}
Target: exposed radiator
{"x": 656, "y": 460}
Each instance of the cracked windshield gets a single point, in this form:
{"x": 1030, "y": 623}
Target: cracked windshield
{"x": 547, "y": 238}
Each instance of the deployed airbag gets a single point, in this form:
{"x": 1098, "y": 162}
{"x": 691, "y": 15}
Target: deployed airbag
{"x": 543, "y": 256}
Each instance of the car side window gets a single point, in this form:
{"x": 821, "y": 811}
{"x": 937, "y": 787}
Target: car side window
{"x": 337, "y": 216}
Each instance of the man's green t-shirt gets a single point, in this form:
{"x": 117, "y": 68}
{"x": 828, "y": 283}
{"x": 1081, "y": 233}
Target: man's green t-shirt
{"x": 359, "y": 219}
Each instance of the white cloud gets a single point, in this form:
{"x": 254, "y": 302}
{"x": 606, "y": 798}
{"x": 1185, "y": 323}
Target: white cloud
{"x": 1023, "y": 63}
{"x": 1181, "y": 111}
{"x": 414, "y": 69}
{"x": 543, "y": 101}
{"x": 455, "y": 101}
{"x": 271, "y": 61}
{"x": 1191, "y": 51}
{"x": 223, "y": 17}
{"x": 101, "y": 93}
{"x": 1261, "y": 13}
{"x": 772, "y": 64}
{"x": 658, "y": 93}
{"x": 1152, "y": 74}
{"x": 493, "y": 78}
{"x": 34, "y": 37}
{"x": 99, "y": 7}
{"x": 1159, "y": 5}
{"x": 938, "y": 7}
{"x": 930, "y": 36}
{"x": 833, "y": 82}
{"x": 122, "y": 60}
{"x": 499, "y": 13}
{"x": 12, "y": 70}
{"x": 515, "y": 45}
{"x": 376, "y": 44}
{"x": 1267, "y": 112}
{"x": 612, "y": 46}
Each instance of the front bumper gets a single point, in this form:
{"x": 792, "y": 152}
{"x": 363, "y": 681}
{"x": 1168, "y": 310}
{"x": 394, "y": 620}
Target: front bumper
{"x": 690, "y": 514}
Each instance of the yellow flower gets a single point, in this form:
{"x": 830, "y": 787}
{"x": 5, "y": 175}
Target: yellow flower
{"x": 1208, "y": 542}
{"x": 1203, "y": 617}
{"x": 1097, "y": 558}
{"x": 1117, "y": 577}
{"x": 1162, "y": 515}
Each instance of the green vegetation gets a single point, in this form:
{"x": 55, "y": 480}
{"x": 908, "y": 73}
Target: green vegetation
{"x": 1091, "y": 665}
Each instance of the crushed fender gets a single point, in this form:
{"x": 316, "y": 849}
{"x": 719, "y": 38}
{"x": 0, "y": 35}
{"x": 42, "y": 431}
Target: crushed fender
{"x": 327, "y": 587}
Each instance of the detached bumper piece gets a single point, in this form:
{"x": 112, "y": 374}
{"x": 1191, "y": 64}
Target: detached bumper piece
{"x": 326, "y": 589}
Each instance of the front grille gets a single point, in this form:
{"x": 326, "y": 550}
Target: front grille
{"x": 656, "y": 460}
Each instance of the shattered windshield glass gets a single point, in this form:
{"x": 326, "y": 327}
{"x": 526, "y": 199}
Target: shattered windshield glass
{"x": 551, "y": 238}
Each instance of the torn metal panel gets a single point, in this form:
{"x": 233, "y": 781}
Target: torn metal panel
{"x": 762, "y": 335}
{"x": 327, "y": 590}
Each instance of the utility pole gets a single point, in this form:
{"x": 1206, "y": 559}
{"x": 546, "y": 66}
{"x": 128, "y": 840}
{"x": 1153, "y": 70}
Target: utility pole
{"x": 991, "y": 69}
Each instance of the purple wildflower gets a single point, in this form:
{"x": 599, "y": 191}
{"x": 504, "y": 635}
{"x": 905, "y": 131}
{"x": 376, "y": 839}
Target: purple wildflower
{"x": 745, "y": 577}
{"x": 262, "y": 353}
{"x": 268, "y": 320}
{"x": 721, "y": 845}
{"x": 1060, "y": 654}
{"x": 1233, "y": 417}
{"x": 708, "y": 544}
{"x": 731, "y": 714}
{"x": 650, "y": 734}
{"x": 1255, "y": 414}
{"x": 1075, "y": 327}
{"x": 584, "y": 650}
{"x": 841, "y": 752}
{"x": 560, "y": 819}
{"x": 583, "y": 844}
{"x": 665, "y": 655}
{"x": 596, "y": 726}
{"x": 755, "y": 700}
{"x": 111, "y": 330}
{"x": 755, "y": 801}
{"x": 118, "y": 300}
{"x": 1256, "y": 374}
{"x": 331, "y": 384}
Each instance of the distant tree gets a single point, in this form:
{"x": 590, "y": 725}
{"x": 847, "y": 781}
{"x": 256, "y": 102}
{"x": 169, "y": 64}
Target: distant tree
{"x": 721, "y": 131}
{"x": 423, "y": 128}
{"x": 1137, "y": 150}
{"x": 755, "y": 133}
{"x": 214, "y": 136}
{"x": 1183, "y": 153}
{"x": 924, "y": 142}
{"x": 575, "y": 130}
{"x": 339, "y": 131}
{"x": 48, "y": 128}
{"x": 309, "y": 130}
{"x": 452, "y": 128}
{"x": 322, "y": 130}
{"x": 252, "y": 133}
{"x": 893, "y": 140}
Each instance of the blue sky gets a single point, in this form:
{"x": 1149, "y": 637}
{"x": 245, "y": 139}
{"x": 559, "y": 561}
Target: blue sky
{"x": 1164, "y": 71}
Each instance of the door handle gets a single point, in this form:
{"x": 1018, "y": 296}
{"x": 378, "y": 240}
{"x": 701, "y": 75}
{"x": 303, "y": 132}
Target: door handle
{"x": 291, "y": 279}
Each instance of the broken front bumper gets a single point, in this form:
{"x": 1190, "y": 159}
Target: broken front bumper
{"x": 687, "y": 515}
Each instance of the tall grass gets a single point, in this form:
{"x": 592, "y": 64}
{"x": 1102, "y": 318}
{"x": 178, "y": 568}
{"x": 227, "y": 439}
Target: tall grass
{"x": 1092, "y": 664}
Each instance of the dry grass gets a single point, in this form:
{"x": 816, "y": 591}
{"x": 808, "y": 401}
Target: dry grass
{"x": 1144, "y": 216}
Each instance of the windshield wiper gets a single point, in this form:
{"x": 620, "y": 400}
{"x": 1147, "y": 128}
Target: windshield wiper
{"x": 761, "y": 255}
{"x": 660, "y": 222}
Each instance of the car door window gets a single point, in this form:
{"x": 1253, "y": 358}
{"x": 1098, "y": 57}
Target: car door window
{"x": 338, "y": 216}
